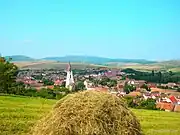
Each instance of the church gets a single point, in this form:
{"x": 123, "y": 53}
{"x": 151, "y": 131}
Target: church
{"x": 69, "y": 78}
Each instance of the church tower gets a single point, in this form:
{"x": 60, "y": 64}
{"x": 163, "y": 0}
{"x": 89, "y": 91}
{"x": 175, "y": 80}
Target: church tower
{"x": 69, "y": 78}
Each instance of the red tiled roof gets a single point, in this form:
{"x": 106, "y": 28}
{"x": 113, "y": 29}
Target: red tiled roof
{"x": 173, "y": 99}
{"x": 134, "y": 94}
{"x": 165, "y": 106}
{"x": 102, "y": 89}
{"x": 58, "y": 82}
{"x": 50, "y": 87}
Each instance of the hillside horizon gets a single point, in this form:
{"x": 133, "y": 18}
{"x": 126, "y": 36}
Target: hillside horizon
{"x": 79, "y": 58}
{"x": 20, "y": 57}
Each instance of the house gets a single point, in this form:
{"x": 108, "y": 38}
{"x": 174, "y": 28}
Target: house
{"x": 169, "y": 104}
{"x": 134, "y": 94}
{"x": 137, "y": 83}
{"x": 152, "y": 85}
{"x": 88, "y": 84}
{"x": 156, "y": 93}
{"x": 44, "y": 87}
{"x": 171, "y": 85}
{"x": 178, "y": 101}
{"x": 177, "y": 108}
{"x": 120, "y": 85}
{"x": 165, "y": 106}
{"x": 101, "y": 89}
{"x": 140, "y": 83}
{"x": 147, "y": 95}
{"x": 121, "y": 94}
{"x": 112, "y": 73}
{"x": 173, "y": 99}
{"x": 58, "y": 82}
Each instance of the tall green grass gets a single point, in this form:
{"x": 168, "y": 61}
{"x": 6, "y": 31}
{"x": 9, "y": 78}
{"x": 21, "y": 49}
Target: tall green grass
{"x": 19, "y": 114}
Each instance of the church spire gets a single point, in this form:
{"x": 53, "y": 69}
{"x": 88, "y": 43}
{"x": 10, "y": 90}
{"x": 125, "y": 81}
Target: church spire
{"x": 69, "y": 78}
{"x": 69, "y": 67}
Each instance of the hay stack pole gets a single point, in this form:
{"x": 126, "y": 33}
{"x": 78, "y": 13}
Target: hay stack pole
{"x": 89, "y": 113}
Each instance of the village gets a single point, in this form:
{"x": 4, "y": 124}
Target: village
{"x": 113, "y": 81}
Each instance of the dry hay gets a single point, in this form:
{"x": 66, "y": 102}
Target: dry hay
{"x": 89, "y": 113}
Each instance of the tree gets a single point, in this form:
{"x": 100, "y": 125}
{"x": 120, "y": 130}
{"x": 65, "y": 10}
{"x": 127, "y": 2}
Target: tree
{"x": 112, "y": 83}
{"x": 129, "y": 88}
{"x": 48, "y": 82}
{"x": 18, "y": 88}
{"x": 79, "y": 86}
{"x": 96, "y": 82}
{"x": 8, "y": 73}
{"x": 152, "y": 72}
{"x": 160, "y": 76}
{"x": 178, "y": 89}
{"x": 145, "y": 86}
{"x": 149, "y": 104}
{"x": 63, "y": 84}
{"x": 104, "y": 81}
{"x": 170, "y": 73}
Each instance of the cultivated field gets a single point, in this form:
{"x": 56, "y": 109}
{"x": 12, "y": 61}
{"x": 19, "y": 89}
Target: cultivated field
{"x": 53, "y": 65}
{"x": 19, "y": 114}
{"x": 175, "y": 67}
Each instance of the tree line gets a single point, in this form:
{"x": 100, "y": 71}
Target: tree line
{"x": 153, "y": 76}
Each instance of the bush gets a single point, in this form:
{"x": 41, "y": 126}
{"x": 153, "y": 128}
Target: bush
{"x": 129, "y": 101}
{"x": 48, "y": 82}
{"x": 129, "y": 88}
{"x": 60, "y": 95}
{"x": 139, "y": 103}
{"x": 46, "y": 93}
{"x": 79, "y": 86}
{"x": 149, "y": 104}
{"x": 61, "y": 89}
{"x": 18, "y": 88}
{"x": 30, "y": 92}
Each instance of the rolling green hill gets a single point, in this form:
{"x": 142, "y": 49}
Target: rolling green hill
{"x": 97, "y": 60}
{"x": 81, "y": 59}
{"x": 90, "y": 61}
{"x": 20, "y": 58}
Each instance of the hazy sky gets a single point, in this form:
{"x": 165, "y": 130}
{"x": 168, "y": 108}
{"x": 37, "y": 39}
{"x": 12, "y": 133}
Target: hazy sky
{"x": 148, "y": 29}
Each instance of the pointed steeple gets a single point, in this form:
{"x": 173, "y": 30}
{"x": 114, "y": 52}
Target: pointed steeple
{"x": 69, "y": 67}
{"x": 69, "y": 78}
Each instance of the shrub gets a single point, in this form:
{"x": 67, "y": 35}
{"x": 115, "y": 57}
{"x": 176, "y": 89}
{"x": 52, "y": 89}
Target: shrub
{"x": 60, "y": 95}
{"x": 30, "y": 92}
{"x": 139, "y": 103}
{"x": 46, "y": 93}
{"x": 149, "y": 104}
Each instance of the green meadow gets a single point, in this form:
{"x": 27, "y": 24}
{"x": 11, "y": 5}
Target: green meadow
{"x": 19, "y": 114}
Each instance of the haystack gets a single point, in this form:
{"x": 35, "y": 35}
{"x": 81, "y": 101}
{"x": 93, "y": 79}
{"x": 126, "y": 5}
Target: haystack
{"x": 89, "y": 113}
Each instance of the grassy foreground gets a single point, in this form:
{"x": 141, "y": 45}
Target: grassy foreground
{"x": 19, "y": 114}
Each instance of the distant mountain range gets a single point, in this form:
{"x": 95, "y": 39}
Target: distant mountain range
{"x": 81, "y": 59}
{"x": 97, "y": 60}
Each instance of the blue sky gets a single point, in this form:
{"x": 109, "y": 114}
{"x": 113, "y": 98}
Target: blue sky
{"x": 138, "y": 29}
